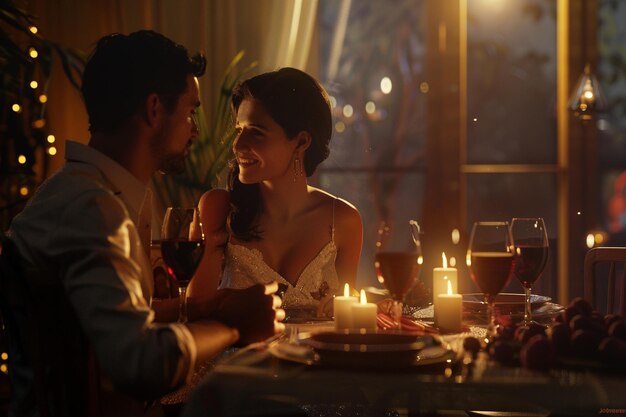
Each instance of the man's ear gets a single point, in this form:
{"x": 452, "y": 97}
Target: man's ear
{"x": 152, "y": 109}
{"x": 303, "y": 140}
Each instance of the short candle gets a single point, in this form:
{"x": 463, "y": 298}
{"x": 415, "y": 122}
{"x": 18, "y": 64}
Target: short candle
{"x": 364, "y": 314}
{"x": 440, "y": 278}
{"x": 450, "y": 311}
{"x": 342, "y": 309}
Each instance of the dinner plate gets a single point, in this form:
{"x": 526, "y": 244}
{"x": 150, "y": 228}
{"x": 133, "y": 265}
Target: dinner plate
{"x": 505, "y": 302}
{"x": 372, "y": 351}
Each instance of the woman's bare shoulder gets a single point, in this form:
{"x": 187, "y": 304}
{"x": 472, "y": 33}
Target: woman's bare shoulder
{"x": 345, "y": 212}
{"x": 214, "y": 207}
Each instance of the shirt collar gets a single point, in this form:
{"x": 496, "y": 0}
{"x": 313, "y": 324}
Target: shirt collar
{"x": 125, "y": 185}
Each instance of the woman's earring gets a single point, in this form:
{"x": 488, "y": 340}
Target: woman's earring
{"x": 297, "y": 169}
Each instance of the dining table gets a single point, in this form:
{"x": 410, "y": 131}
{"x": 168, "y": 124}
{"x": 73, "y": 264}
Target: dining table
{"x": 279, "y": 376}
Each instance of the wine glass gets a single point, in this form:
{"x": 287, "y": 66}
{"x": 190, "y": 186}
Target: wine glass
{"x": 531, "y": 255}
{"x": 398, "y": 261}
{"x": 490, "y": 260}
{"x": 182, "y": 246}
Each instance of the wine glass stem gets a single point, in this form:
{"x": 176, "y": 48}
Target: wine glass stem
{"x": 182, "y": 312}
{"x": 397, "y": 314}
{"x": 527, "y": 308}
{"x": 491, "y": 327}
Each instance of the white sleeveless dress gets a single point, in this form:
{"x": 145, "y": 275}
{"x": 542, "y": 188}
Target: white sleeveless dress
{"x": 244, "y": 267}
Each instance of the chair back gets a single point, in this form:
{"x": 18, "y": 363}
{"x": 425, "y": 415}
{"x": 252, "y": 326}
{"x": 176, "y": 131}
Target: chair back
{"x": 45, "y": 338}
{"x": 594, "y": 279}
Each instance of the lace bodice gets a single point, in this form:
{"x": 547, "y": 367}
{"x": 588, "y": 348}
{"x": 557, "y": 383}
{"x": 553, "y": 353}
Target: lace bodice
{"x": 245, "y": 267}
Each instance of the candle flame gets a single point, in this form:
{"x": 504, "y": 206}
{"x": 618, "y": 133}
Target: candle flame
{"x": 346, "y": 290}
{"x": 445, "y": 260}
{"x": 363, "y": 297}
{"x": 449, "y": 286}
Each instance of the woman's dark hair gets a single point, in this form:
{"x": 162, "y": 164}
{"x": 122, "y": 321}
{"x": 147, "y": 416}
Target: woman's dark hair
{"x": 296, "y": 102}
{"x": 124, "y": 69}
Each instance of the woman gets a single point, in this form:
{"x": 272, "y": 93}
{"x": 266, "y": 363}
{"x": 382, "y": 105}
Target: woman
{"x": 280, "y": 228}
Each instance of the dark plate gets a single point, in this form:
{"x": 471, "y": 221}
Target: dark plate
{"x": 505, "y": 302}
{"x": 372, "y": 351}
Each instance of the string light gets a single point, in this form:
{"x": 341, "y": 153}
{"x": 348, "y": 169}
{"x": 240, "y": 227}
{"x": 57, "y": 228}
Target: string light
{"x": 33, "y": 53}
{"x": 4, "y": 369}
{"x": 21, "y": 159}
{"x": 386, "y": 85}
{"x": 4, "y": 356}
{"x": 51, "y": 138}
{"x": 39, "y": 123}
{"x": 24, "y": 190}
{"x": 52, "y": 151}
{"x": 348, "y": 111}
{"x": 370, "y": 107}
{"x": 34, "y": 84}
{"x": 33, "y": 29}
{"x": 16, "y": 108}
{"x": 43, "y": 98}
{"x": 340, "y": 127}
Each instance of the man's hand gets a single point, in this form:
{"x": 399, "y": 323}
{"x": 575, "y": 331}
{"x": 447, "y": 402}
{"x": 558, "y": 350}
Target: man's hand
{"x": 255, "y": 312}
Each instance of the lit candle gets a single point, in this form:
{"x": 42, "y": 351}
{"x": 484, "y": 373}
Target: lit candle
{"x": 450, "y": 310}
{"x": 342, "y": 311}
{"x": 364, "y": 314}
{"x": 440, "y": 277}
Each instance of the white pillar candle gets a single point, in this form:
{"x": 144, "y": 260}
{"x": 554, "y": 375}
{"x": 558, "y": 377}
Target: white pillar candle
{"x": 440, "y": 278}
{"x": 449, "y": 311}
{"x": 342, "y": 310}
{"x": 364, "y": 314}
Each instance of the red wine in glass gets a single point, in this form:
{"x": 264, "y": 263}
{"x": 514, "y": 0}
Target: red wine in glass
{"x": 491, "y": 261}
{"x": 531, "y": 253}
{"x": 182, "y": 246}
{"x": 182, "y": 258}
{"x": 397, "y": 271}
{"x": 398, "y": 261}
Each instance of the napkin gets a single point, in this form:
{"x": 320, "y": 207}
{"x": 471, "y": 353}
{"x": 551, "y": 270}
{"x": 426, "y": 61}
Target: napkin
{"x": 408, "y": 323}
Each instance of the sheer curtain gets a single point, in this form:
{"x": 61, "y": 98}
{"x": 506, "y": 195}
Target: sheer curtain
{"x": 275, "y": 33}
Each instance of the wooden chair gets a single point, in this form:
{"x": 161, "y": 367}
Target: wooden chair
{"x": 44, "y": 336}
{"x": 612, "y": 256}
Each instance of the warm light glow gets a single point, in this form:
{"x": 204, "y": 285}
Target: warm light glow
{"x": 333, "y": 101}
{"x": 33, "y": 53}
{"x": 588, "y": 95}
{"x": 340, "y": 127}
{"x": 452, "y": 261}
{"x": 370, "y": 107}
{"x": 578, "y": 213}
{"x": 52, "y": 151}
{"x": 456, "y": 236}
{"x": 385, "y": 85}
{"x": 363, "y": 297}
{"x": 424, "y": 87}
{"x": 16, "y": 108}
{"x": 420, "y": 260}
{"x": 4, "y": 356}
{"x": 346, "y": 290}
{"x": 33, "y": 29}
{"x": 468, "y": 258}
{"x": 449, "y": 285}
{"x": 348, "y": 111}
{"x": 599, "y": 239}
{"x": 444, "y": 259}
{"x": 24, "y": 190}
{"x": 51, "y": 138}
{"x": 21, "y": 159}
{"x": 475, "y": 119}
{"x": 39, "y": 123}
{"x": 34, "y": 84}
{"x": 590, "y": 240}
{"x": 4, "y": 369}
{"x": 43, "y": 98}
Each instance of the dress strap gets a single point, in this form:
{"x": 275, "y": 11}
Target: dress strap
{"x": 332, "y": 227}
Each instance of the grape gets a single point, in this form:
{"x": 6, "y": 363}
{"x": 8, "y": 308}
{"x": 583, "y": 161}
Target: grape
{"x": 537, "y": 354}
{"x": 581, "y": 305}
{"x": 611, "y": 318}
{"x": 581, "y": 322}
{"x": 612, "y": 350}
{"x": 471, "y": 345}
{"x": 618, "y": 330}
{"x": 569, "y": 313}
{"x": 560, "y": 338}
{"x": 523, "y": 334}
{"x": 502, "y": 352}
{"x": 506, "y": 332}
{"x": 584, "y": 343}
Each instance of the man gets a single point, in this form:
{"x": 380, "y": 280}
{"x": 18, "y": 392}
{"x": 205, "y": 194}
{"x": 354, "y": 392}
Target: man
{"x": 86, "y": 228}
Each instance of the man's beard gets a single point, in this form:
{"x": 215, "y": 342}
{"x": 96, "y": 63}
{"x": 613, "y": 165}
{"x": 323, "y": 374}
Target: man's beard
{"x": 174, "y": 164}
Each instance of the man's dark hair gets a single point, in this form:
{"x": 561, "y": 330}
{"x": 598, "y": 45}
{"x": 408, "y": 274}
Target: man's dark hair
{"x": 124, "y": 69}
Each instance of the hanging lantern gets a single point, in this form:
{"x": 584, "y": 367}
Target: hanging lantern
{"x": 587, "y": 98}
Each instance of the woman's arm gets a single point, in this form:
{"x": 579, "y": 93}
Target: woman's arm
{"x": 214, "y": 207}
{"x": 349, "y": 239}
